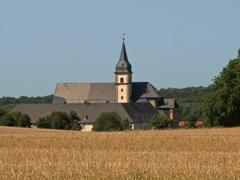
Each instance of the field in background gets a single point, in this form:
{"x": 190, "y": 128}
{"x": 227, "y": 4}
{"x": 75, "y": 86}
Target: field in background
{"x": 168, "y": 154}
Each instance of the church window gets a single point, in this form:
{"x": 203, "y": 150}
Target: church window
{"x": 122, "y": 97}
{"x": 122, "y": 80}
{"x": 121, "y": 90}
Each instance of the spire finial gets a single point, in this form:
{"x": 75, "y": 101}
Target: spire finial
{"x": 124, "y": 34}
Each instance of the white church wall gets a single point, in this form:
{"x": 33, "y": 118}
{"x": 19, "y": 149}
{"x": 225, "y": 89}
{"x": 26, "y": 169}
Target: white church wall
{"x": 87, "y": 127}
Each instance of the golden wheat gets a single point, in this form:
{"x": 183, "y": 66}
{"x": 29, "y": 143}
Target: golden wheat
{"x": 168, "y": 154}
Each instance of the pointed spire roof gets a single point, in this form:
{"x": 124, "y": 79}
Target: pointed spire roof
{"x": 123, "y": 65}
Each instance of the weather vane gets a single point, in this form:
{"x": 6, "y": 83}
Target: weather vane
{"x": 124, "y": 34}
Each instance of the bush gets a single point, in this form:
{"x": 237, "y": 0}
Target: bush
{"x": 2, "y": 112}
{"x": 158, "y": 121}
{"x": 24, "y": 121}
{"x": 44, "y": 123}
{"x": 74, "y": 122}
{"x": 16, "y": 119}
{"x": 60, "y": 120}
{"x": 110, "y": 122}
{"x": 126, "y": 124}
{"x": 8, "y": 120}
{"x": 190, "y": 120}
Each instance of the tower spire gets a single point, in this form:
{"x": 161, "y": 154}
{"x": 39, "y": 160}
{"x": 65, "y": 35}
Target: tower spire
{"x": 123, "y": 65}
{"x": 123, "y": 77}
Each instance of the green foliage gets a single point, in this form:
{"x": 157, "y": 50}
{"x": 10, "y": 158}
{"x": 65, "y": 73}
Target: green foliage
{"x": 159, "y": 122}
{"x": 190, "y": 100}
{"x": 44, "y": 123}
{"x": 16, "y": 119}
{"x": 26, "y": 100}
{"x": 74, "y": 121}
{"x": 110, "y": 122}
{"x": 2, "y": 112}
{"x": 60, "y": 120}
{"x": 126, "y": 124}
{"x": 8, "y": 103}
{"x": 24, "y": 121}
{"x": 8, "y": 120}
{"x": 192, "y": 113}
{"x": 222, "y": 107}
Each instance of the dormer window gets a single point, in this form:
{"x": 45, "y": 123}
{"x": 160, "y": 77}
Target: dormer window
{"x": 85, "y": 117}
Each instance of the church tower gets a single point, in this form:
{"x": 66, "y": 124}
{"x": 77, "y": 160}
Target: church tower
{"x": 123, "y": 78}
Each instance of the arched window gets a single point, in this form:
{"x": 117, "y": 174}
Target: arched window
{"x": 122, "y": 80}
{"x": 122, "y": 97}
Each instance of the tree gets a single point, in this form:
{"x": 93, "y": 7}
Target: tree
{"x": 60, "y": 120}
{"x": 8, "y": 120}
{"x": 74, "y": 122}
{"x": 24, "y": 121}
{"x": 191, "y": 119}
{"x": 190, "y": 99}
{"x": 26, "y": 100}
{"x": 16, "y": 119}
{"x": 44, "y": 123}
{"x": 222, "y": 106}
{"x": 2, "y": 112}
{"x": 126, "y": 124}
{"x": 159, "y": 121}
{"x": 108, "y": 122}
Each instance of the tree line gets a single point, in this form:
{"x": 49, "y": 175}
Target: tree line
{"x": 218, "y": 104}
{"x": 110, "y": 121}
{"x": 190, "y": 100}
{"x": 26, "y": 100}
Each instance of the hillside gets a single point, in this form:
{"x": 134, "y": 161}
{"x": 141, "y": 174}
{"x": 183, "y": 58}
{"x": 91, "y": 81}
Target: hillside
{"x": 7, "y": 103}
{"x": 190, "y": 100}
{"x": 26, "y": 100}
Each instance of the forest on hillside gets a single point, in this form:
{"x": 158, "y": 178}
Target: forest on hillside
{"x": 7, "y": 103}
{"x": 26, "y": 100}
{"x": 190, "y": 100}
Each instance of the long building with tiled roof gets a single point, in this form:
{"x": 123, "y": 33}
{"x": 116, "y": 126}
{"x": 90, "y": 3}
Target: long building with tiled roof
{"x": 135, "y": 101}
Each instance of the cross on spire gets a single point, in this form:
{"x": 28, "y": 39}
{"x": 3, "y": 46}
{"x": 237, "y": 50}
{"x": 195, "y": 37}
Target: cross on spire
{"x": 123, "y": 36}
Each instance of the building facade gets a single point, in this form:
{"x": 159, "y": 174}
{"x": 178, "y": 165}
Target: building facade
{"x": 135, "y": 101}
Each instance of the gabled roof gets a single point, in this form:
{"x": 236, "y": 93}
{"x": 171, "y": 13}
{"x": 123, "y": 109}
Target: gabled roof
{"x": 100, "y": 92}
{"x": 169, "y": 104}
{"x": 82, "y": 92}
{"x": 143, "y": 90}
{"x": 123, "y": 65}
{"x": 137, "y": 112}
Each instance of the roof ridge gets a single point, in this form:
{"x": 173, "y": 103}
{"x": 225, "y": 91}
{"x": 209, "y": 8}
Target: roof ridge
{"x": 86, "y": 83}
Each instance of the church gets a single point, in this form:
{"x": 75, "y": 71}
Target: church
{"x": 135, "y": 101}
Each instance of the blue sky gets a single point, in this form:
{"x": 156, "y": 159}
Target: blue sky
{"x": 171, "y": 43}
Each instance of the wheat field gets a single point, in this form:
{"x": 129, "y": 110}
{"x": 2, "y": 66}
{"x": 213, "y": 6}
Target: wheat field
{"x": 167, "y": 154}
